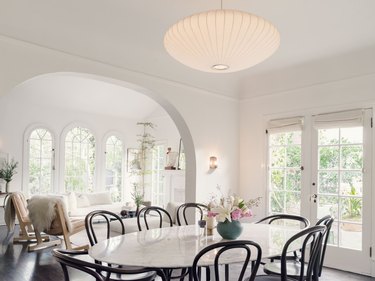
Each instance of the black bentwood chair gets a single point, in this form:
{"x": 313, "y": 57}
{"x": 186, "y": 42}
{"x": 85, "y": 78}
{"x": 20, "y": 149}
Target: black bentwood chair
{"x": 186, "y": 207}
{"x": 192, "y": 209}
{"x": 327, "y": 221}
{"x": 69, "y": 258}
{"x": 165, "y": 220}
{"x": 153, "y": 211}
{"x": 108, "y": 217}
{"x": 288, "y": 220}
{"x": 246, "y": 247}
{"x": 311, "y": 245}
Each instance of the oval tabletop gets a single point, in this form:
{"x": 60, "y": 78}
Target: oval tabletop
{"x": 177, "y": 246}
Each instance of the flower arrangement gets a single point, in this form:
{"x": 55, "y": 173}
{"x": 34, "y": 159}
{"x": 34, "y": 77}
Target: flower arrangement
{"x": 232, "y": 208}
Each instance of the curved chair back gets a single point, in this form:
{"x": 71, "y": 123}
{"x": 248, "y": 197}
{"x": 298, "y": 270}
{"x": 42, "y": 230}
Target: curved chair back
{"x": 68, "y": 259}
{"x": 279, "y": 217}
{"x": 108, "y": 218}
{"x": 247, "y": 247}
{"x": 182, "y": 209}
{"x": 311, "y": 237}
{"x": 327, "y": 221}
{"x": 153, "y": 211}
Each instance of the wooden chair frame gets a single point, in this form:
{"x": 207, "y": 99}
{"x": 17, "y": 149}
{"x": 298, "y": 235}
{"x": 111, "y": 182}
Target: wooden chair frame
{"x": 65, "y": 233}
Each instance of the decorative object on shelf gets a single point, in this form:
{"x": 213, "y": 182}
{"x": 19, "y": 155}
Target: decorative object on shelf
{"x": 7, "y": 171}
{"x": 213, "y": 162}
{"x": 222, "y": 41}
{"x": 181, "y": 162}
{"x": 228, "y": 212}
{"x": 171, "y": 159}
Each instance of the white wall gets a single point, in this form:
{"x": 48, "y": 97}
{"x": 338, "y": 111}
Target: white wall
{"x": 358, "y": 92}
{"x": 212, "y": 120}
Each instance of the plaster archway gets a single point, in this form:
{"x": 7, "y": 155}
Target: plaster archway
{"x": 190, "y": 179}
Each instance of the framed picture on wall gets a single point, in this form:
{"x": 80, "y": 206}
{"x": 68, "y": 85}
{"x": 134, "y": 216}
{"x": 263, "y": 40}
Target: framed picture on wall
{"x": 133, "y": 160}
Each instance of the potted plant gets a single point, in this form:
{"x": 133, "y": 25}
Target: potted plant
{"x": 7, "y": 172}
{"x": 137, "y": 196}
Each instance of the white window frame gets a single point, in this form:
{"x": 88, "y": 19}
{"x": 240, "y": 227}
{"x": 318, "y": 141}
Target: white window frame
{"x": 64, "y": 133}
{"x": 26, "y": 156}
{"x": 102, "y": 175}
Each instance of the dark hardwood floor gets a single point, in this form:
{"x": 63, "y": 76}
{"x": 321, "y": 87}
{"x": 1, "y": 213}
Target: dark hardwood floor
{"x": 17, "y": 264}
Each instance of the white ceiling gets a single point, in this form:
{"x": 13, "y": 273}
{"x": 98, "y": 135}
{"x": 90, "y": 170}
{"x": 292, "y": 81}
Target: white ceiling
{"x": 129, "y": 34}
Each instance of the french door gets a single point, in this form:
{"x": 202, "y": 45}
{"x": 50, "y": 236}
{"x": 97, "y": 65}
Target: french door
{"x": 341, "y": 186}
{"x": 325, "y": 168}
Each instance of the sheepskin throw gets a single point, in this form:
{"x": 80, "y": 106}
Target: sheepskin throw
{"x": 43, "y": 212}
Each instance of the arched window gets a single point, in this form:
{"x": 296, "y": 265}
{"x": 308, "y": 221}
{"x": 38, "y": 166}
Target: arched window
{"x": 40, "y": 162}
{"x": 79, "y": 160}
{"x": 113, "y": 167}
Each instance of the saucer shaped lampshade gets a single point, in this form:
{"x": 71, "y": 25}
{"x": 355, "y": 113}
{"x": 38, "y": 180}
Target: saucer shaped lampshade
{"x": 221, "y": 40}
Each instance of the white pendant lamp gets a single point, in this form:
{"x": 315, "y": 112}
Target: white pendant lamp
{"x": 221, "y": 41}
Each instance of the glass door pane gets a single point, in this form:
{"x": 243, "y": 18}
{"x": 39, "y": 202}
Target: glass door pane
{"x": 339, "y": 184}
{"x": 284, "y": 172}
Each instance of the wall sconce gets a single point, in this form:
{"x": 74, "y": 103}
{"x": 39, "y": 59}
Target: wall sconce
{"x": 213, "y": 162}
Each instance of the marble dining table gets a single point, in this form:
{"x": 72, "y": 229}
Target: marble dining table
{"x": 175, "y": 247}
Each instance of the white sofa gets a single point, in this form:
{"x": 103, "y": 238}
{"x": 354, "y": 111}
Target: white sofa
{"x": 153, "y": 222}
{"x": 80, "y": 204}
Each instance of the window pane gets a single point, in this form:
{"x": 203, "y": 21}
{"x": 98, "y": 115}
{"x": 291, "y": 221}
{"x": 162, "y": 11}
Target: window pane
{"x": 277, "y": 180}
{"x": 328, "y": 136}
{"x": 40, "y": 162}
{"x": 278, "y": 157}
{"x": 351, "y": 157}
{"x": 284, "y": 172}
{"x": 329, "y": 157}
{"x": 352, "y": 135}
{"x": 293, "y": 179}
{"x": 79, "y": 160}
{"x": 114, "y": 159}
{"x": 351, "y": 183}
{"x": 328, "y": 182}
{"x": 340, "y": 175}
{"x": 293, "y": 156}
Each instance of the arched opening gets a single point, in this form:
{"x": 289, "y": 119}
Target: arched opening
{"x": 53, "y": 87}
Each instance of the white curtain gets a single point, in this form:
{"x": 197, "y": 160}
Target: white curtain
{"x": 351, "y": 118}
{"x": 285, "y": 125}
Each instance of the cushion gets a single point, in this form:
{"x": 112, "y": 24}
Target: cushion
{"x": 99, "y": 198}
{"x": 172, "y": 210}
{"x": 82, "y": 200}
{"x": 72, "y": 199}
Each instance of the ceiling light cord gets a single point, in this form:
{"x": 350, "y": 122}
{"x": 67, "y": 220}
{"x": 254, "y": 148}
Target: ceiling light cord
{"x": 221, "y": 4}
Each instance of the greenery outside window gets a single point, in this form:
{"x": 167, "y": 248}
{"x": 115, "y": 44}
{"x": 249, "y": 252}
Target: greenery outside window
{"x": 41, "y": 162}
{"x": 79, "y": 160}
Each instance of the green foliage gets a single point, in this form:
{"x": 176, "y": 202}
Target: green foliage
{"x": 352, "y": 207}
{"x": 137, "y": 195}
{"x": 9, "y": 170}
{"x": 141, "y": 161}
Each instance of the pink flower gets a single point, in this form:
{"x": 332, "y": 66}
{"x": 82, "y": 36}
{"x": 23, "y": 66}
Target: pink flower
{"x": 211, "y": 214}
{"x": 236, "y": 214}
